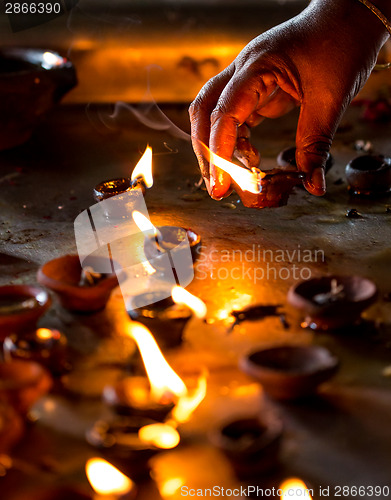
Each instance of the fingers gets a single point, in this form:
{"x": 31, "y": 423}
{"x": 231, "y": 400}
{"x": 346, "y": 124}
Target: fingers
{"x": 200, "y": 111}
{"x": 316, "y": 128}
{"x": 238, "y": 101}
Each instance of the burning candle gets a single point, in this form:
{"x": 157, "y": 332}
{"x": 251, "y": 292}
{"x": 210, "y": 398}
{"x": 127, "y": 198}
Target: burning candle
{"x": 44, "y": 345}
{"x": 108, "y": 482}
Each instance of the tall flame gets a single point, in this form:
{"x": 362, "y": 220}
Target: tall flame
{"x": 181, "y": 296}
{"x": 293, "y": 489}
{"x": 143, "y": 168}
{"x": 164, "y": 381}
{"x": 105, "y": 479}
{"x": 248, "y": 180}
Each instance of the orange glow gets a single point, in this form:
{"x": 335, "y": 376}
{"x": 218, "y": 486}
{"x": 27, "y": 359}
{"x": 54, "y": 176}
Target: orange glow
{"x": 188, "y": 403}
{"x": 165, "y": 383}
{"x": 105, "y": 479}
{"x": 181, "y": 296}
{"x": 247, "y": 180}
{"x": 169, "y": 487}
{"x": 160, "y": 435}
{"x": 293, "y": 489}
{"x": 143, "y": 168}
{"x": 145, "y": 225}
{"x": 45, "y": 334}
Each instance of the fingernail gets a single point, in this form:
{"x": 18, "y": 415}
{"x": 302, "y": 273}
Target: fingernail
{"x": 318, "y": 181}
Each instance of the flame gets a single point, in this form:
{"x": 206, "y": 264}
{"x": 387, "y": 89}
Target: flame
{"x": 160, "y": 435}
{"x": 161, "y": 376}
{"x": 247, "y": 180}
{"x": 164, "y": 382}
{"x": 293, "y": 489}
{"x": 44, "y": 333}
{"x": 142, "y": 222}
{"x": 181, "y": 296}
{"x": 188, "y": 403}
{"x": 50, "y": 59}
{"x": 143, "y": 168}
{"x": 106, "y": 479}
{"x": 169, "y": 487}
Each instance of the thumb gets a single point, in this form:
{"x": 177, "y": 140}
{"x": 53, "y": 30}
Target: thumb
{"x": 315, "y": 131}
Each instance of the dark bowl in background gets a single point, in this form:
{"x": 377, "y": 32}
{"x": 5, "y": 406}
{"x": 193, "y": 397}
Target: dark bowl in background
{"x": 31, "y": 82}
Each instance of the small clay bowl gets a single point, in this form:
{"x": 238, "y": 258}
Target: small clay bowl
{"x": 65, "y": 492}
{"x": 118, "y": 441}
{"x": 62, "y": 276}
{"x": 341, "y": 310}
{"x": 175, "y": 241}
{"x": 290, "y": 372}
{"x": 22, "y": 383}
{"x": 119, "y": 197}
{"x": 45, "y": 346}
{"x": 251, "y": 444}
{"x": 11, "y": 427}
{"x": 161, "y": 315}
{"x": 286, "y": 159}
{"x": 21, "y": 306}
{"x": 123, "y": 398}
{"x": 369, "y": 175}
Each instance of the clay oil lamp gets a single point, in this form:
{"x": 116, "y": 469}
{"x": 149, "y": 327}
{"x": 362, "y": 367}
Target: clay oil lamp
{"x": 251, "y": 444}
{"x": 369, "y": 175}
{"x": 22, "y": 383}
{"x": 130, "y": 442}
{"x": 166, "y": 317}
{"x": 158, "y": 394}
{"x": 108, "y": 482}
{"x": 169, "y": 249}
{"x": 21, "y": 306}
{"x": 286, "y": 159}
{"x": 290, "y": 372}
{"x": 78, "y": 289}
{"x": 332, "y": 302}
{"x": 122, "y": 195}
{"x": 44, "y": 345}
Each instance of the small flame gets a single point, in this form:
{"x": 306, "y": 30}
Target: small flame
{"x": 143, "y": 168}
{"x": 145, "y": 225}
{"x": 50, "y": 59}
{"x": 293, "y": 489}
{"x": 164, "y": 381}
{"x": 45, "y": 334}
{"x": 248, "y": 180}
{"x": 105, "y": 479}
{"x": 160, "y": 435}
{"x": 181, "y": 296}
{"x": 188, "y": 403}
{"x": 169, "y": 487}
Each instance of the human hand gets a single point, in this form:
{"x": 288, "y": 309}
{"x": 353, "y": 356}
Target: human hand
{"x": 318, "y": 60}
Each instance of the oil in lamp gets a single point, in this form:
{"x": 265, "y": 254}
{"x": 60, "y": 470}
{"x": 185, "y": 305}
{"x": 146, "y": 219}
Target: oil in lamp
{"x": 128, "y": 192}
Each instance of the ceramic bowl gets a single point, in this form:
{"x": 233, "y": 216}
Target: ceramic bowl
{"x": 290, "y": 372}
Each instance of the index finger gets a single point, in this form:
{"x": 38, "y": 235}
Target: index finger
{"x": 240, "y": 98}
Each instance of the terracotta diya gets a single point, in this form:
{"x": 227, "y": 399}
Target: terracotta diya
{"x": 332, "y": 302}
{"x": 125, "y": 443}
{"x": 22, "y": 383}
{"x": 369, "y": 175}
{"x": 290, "y": 372}
{"x": 21, "y": 306}
{"x": 161, "y": 315}
{"x": 44, "y": 345}
{"x": 78, "y": 290}
{"x": 251, "y": 444}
